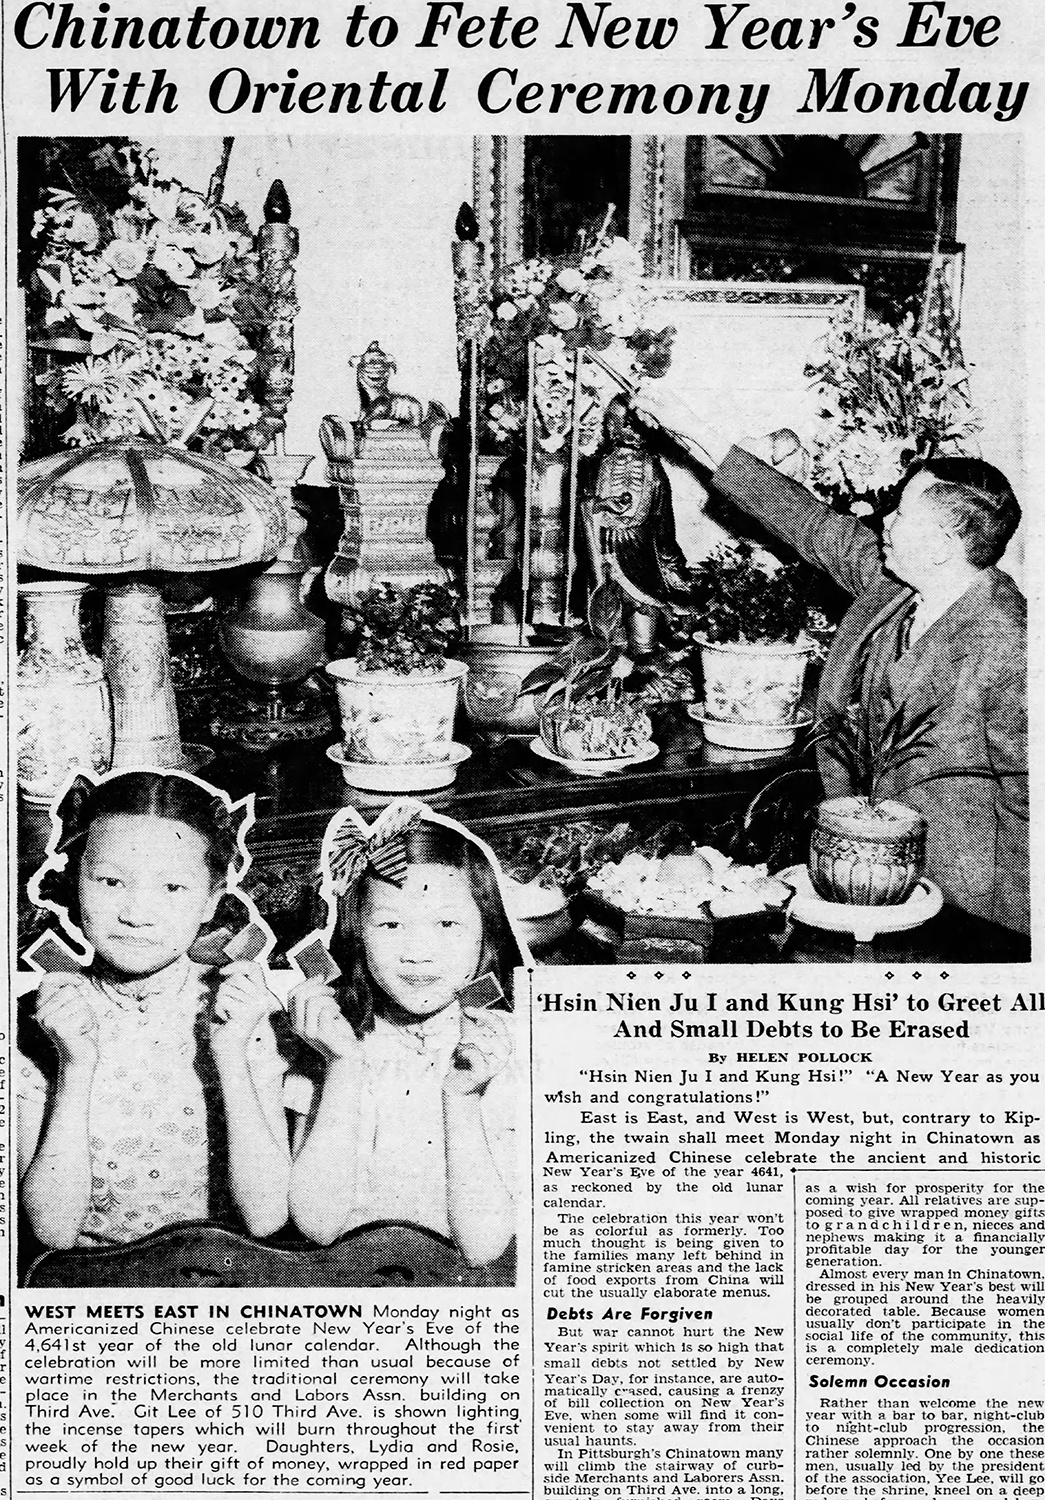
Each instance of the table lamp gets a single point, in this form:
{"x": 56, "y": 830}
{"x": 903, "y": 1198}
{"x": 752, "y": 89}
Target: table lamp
{"x": 127, "y": 510}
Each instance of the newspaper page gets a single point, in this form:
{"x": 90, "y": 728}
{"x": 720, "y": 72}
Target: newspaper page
{"x": 622, "y": 1082}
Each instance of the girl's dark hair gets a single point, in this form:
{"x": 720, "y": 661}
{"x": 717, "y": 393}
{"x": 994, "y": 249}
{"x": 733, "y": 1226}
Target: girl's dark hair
{"x": 159, "y": 794}
{"x": 426, "y": 844}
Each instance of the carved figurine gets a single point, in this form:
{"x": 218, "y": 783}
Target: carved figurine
{"x": 631, "y": 525}
{"x": 380, "y": 406}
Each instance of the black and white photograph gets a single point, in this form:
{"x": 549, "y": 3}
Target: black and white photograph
{"x": 186, "y": 1112}
{"x": 652, "y": 505}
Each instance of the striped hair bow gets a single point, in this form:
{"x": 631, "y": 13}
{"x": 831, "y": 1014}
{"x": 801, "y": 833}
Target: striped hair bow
{"x": 379, "y": 849}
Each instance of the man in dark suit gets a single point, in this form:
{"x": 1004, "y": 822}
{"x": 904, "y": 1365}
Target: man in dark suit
{"x": 934, "y": 626}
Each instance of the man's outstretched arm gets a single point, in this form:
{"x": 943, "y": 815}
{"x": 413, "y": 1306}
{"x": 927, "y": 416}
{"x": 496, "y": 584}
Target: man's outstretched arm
{"x": 841, "y": 545}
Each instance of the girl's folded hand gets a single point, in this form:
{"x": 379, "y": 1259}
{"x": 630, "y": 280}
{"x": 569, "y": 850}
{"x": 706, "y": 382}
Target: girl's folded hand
{"x": 64, "y": 1011}
{"x": 482, "y": 1053}
{"x": 241, "y": 1004}
{"x": 317, "y": 1018}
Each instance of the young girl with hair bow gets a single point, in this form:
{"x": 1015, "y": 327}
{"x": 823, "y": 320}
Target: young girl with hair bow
{"x": 414, "y": 1117}
{"x": 150, "y": 1088}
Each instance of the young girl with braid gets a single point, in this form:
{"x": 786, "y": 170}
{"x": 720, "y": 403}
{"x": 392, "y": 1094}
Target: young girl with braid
{"x": 415, "y": 1113}
{"x": 150, "y": 1088}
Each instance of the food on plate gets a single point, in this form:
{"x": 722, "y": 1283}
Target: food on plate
{"x": 597, "y": 730}
{"x": 703, "y": 884}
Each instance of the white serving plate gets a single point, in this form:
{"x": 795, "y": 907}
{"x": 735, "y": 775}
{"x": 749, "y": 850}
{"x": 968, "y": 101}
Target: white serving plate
{"x": 649, "y": 751}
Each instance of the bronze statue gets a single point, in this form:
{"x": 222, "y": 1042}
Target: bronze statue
{"x": 631, "y": 526}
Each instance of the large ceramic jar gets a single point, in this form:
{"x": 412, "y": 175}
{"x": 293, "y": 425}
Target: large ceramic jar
{"x": 863, "y": 855}
{"x": 64, "y": 708}
{"x": 394, "y": 719}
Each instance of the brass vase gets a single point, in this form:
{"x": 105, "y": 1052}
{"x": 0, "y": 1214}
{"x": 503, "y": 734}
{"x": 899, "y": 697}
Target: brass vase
{"x": 274, "y": 641}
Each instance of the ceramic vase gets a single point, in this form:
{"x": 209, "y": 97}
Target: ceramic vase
{"x": 137, "y": 664}
{"x": 64, "y": 706}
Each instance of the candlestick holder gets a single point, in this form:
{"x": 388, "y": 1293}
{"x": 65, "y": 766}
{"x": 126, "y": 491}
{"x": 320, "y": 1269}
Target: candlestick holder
{"x": 274, "y": 641}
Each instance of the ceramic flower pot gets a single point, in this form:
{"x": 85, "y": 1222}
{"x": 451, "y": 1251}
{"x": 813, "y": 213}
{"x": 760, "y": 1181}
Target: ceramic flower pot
{"x": 752, "y": 687}
{"x": 866, "y": 856}
{"x": 497, "y": 668}
{"x": 64, "y": 706}
{"x": 390, "y": 718}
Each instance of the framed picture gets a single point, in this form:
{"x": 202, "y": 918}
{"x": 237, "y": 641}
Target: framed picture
{"x": 739, "y": 358}
{"x": 741, "y": 349}
{"x": 849, "y": 192}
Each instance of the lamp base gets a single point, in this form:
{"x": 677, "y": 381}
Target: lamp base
{"x": 267, "y": 718}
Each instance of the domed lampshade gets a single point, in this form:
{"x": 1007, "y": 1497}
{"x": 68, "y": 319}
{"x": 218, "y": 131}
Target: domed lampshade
{"x": 135, "y": 506}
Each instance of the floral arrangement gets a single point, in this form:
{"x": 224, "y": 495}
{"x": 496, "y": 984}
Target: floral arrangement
{"x": 405, "y": 630}
{"x": 740, "y": 596}
{"x": 591, "y": 298}
{"x": 159, "y": 292}
{"x": 888, "y": 396}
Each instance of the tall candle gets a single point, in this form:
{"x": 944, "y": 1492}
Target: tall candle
{"x": 531, "y": 382}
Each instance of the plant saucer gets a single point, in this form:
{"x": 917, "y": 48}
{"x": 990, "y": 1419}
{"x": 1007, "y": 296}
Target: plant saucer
{"x": 864, "y": 922}
{"x": 648, "y": 751}
{"x": 408, "y": 776}
{"x": 743, "y": 734}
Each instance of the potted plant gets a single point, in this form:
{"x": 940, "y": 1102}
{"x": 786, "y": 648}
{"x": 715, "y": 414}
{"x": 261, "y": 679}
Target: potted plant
{"x": 751, "y": 615}
{"x": 398, "y": 694}
{"x": 867, "y": 849}
{"x": 585, "y": 715}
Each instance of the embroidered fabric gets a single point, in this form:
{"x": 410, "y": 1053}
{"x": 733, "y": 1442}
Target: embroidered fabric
{"x": 157, "y": 1139}
{"x": 402, "y": 1142}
